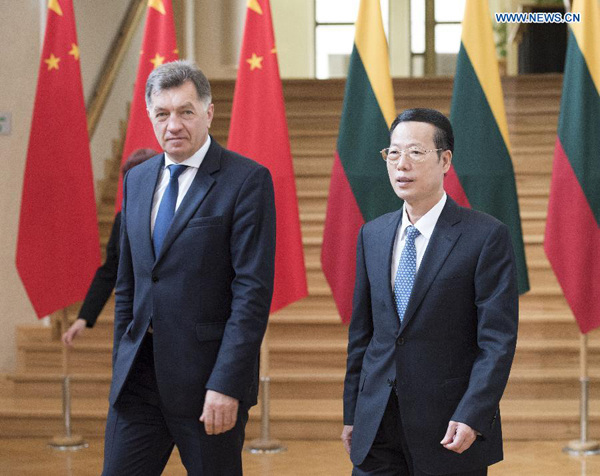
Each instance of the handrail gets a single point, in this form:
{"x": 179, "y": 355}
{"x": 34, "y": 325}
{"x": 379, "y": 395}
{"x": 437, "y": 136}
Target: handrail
{"x": 114, "y": 58}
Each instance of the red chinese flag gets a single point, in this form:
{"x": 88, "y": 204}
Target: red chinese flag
{"x": 158, "y": 46}
{"x": 58, "y": 249}
{"x": 259, "y": 130}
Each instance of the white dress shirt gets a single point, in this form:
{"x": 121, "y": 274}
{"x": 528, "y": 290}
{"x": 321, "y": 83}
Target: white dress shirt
{"x": 184, "y": 180}
{"x": 425, "y": 225}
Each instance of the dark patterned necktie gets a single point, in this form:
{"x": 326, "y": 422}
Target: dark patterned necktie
{"x": 407, "y": 269}
{"x": 166, "y": 209}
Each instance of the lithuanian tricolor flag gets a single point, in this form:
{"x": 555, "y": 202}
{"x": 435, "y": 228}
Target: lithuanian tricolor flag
{"x": 360, "y": 189}
{"x": 482, "y": 176}
{"x": 572, "y": 241}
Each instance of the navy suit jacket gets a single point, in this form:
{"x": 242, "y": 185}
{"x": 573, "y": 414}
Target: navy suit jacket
{"x": 452, "y": 355}
{"x": 209, "y": 290}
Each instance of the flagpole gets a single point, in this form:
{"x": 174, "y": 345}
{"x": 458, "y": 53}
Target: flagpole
{"x": 264, "y": 444}
{"x": 583, "y": 446}
{"x": 68, "y": 441}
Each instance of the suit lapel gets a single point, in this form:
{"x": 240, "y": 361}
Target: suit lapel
{"x": 147, "y": 195}
{"x": 443, "y": 239}
{"x": 202, "y": 183}
{"x": 384, "y": 262}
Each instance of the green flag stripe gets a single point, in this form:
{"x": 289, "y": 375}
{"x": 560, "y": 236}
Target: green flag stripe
{"x": 579, "y": 124}
{"x": 363, "y": 133}
{"x": 481, "y": 159}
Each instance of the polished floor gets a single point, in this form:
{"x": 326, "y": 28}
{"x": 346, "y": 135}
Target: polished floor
{"x": 32, "y": 457}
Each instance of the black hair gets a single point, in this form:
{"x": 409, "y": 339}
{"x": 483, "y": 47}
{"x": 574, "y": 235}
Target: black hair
{"x": 443, "y": 137}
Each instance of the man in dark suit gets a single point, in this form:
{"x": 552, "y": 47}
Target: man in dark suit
{"x": 434, "y": 322}
{"x": 105, "y": 278}
{"x": 193, "y": 292}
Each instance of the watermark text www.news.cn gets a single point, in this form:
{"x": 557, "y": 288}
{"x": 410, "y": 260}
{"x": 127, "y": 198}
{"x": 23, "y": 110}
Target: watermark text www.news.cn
{"x": 538, "y": 17}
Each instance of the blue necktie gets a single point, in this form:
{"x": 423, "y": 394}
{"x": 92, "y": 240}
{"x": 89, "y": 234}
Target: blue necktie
{"x": 166, "y": 209}
{"x": 405, "y": 276}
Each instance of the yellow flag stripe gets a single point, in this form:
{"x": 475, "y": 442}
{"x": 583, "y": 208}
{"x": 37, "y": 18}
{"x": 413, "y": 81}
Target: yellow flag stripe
{"x": 478, "y": 41}
{"x": 373, "y": 50}
{"x": 587, "y": 33}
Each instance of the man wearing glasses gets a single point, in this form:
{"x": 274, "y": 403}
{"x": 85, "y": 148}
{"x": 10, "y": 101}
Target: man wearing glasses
{"x": 434, "y": 322}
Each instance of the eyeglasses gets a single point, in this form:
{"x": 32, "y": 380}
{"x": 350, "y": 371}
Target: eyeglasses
{"x": 414, "y": 154}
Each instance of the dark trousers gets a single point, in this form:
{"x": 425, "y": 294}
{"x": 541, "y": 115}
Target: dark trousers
{"x": 140, "y": 435}
{"x": 389, "y": 455}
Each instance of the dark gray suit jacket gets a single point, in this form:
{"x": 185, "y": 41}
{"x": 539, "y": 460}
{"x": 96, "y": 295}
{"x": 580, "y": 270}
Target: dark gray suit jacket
{"x": 208, "y": 292}
{"x": 452, "y": 356}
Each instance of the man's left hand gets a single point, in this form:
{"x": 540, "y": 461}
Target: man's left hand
{"x": 219, "y": 413}
{"x": 459, "y": 437}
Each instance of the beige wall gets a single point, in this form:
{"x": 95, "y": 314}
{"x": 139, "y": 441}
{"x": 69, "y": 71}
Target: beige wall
{"x": 18, "y": 75}
{"x": 294, "y": 34}
{"x": 399, "y": 38}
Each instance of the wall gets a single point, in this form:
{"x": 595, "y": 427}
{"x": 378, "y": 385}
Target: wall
{"x": 18, "y": 76}
{"x": 295, "y": 37}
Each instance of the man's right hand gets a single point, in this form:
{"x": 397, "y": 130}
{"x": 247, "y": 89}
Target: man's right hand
{"x": 347, "y": 437}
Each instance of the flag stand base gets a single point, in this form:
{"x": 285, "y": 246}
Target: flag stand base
{"x": 581, "y": 448}
{"x": 264, "y": 444}
{"x": 68, "y": 443}
{"x": 260, "y": 446}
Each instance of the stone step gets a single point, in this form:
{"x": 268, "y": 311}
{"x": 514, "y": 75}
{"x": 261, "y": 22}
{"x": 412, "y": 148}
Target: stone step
{"x": 290, "y": 349}
{"x": 311, "y": 419}
{"x": 307, "y": 384}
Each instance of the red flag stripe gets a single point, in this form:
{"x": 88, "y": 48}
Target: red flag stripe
{"x": 454, "y": 188}
{"x": 572, "y": 242}
{"x": 343, "y": 219}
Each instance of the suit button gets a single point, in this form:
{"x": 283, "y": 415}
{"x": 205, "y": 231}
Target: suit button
{"x": 154, "y": 279}
{"x": 400, "y": 341}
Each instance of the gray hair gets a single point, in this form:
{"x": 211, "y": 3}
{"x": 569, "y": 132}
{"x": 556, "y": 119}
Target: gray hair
{"x": 174, "y": 74}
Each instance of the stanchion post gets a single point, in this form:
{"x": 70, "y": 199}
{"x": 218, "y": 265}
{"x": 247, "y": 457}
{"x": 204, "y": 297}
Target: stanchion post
{"x": 265, "y": 444}
{"x": 583, "y": 446}
{"x": 68, "y": 441}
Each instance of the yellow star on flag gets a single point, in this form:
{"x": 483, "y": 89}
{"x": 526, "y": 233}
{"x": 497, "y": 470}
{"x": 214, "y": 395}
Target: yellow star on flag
{"x": 157, "y": 60}
{"x": 255, "y": 62}
{"x": 55, "y": 7}
{"x": 176, "y": 51}
{"x": 158, "y": 5}
{"x": 52, "y": 62}
{"x": 274, "y": 50}
{"x": 74, "y": 51}
{"x": 255, "y": 6}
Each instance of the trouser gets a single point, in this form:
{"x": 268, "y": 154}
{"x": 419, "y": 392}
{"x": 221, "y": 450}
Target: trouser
{"x": 389, "y": 455}
{"x": 140, "y": 434}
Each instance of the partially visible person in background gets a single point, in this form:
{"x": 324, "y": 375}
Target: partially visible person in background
{"x": 106, "y": 276}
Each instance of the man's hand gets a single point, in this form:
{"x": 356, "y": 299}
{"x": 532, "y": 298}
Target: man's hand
{"x": 459, "y": 437}
{"x": 219, "y": 413}
{"x": 76, "y": 328}
{"x": 347, "y": 437}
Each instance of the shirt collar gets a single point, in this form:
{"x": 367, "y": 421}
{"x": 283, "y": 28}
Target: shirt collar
{"x": 427, "y": 222}
{"x": 193, "y": 161}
